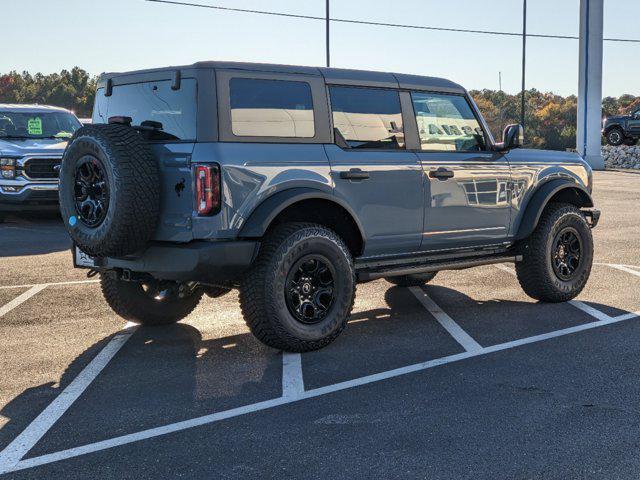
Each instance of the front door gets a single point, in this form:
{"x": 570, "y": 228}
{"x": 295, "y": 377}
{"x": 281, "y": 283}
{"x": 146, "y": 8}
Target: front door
{"x": 634, "y": 123}
{"x": 466, "y": 186}
{"x": 374, "y": 173}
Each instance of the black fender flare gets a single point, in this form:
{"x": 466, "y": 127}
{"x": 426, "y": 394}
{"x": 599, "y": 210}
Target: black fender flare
{"x": 259, "y": 220}
{"x": 541, "y": 198}
{"x": 619, "y": 125}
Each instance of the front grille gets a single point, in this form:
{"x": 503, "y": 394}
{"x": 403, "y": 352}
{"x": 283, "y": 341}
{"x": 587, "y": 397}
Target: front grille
{"x": 41, "y": 168}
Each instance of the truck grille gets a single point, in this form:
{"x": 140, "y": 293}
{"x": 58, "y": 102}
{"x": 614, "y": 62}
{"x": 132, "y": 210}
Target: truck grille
{"x": 41, "y": 168}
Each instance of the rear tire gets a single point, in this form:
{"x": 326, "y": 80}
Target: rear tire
{"x": 558, "y": 255}
{"x": 298, "y": 295}
{"x": 414, "y": 280}
{"x": 135, "y": 302}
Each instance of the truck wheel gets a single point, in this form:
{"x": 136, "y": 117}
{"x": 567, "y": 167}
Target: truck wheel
{"x": 299, "y": 293}
{"x": 149, "y": 303}
{"x": 109, "y": 190}
{"x": 558, "y": 255}
{"x": 414, "y": 280}
{"x": 615, "y": 137}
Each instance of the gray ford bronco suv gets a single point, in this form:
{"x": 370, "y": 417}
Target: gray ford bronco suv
{"x": 293, "y": 184}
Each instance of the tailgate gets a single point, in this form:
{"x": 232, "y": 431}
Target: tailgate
{"x": 176, "y": 191}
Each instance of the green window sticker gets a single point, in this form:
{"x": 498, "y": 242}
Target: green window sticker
{"x": 34, "y": 126}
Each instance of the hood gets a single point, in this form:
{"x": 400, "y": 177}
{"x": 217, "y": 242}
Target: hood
{"x": 17, "y": 147}
{"x": 614, "y": 118}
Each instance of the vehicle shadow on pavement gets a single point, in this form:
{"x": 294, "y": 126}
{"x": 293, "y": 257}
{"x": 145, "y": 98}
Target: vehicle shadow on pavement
{"x": 168, "y": 374}
{"x": 33, "y": 234}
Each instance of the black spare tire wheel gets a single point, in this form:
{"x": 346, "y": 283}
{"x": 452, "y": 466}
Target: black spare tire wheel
{"x": 109, "y": 190}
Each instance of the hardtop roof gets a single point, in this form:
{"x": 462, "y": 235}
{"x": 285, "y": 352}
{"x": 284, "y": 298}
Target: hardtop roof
{"x": 331, "y": 75}
{"x": 30, "y": 108}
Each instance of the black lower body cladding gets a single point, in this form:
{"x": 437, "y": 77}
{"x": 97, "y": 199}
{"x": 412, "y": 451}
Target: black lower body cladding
{"x": 109, "y": 190}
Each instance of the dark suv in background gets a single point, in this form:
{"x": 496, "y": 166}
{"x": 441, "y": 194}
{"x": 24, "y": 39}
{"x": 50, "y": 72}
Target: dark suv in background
{"x": 622, "y": 129}
{"x": 294, "y": 183}
{"x": 32, "y": 141}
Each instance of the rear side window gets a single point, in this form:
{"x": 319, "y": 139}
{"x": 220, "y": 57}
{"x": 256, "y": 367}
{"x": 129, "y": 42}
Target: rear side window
{"x": 271, "y": 108}
{"x": 368, "y": 117}
{"x": 175, "y": 110}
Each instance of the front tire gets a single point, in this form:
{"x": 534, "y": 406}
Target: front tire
{"x": 615, "y": 137}
{"x": 149, "y": 303}
{"x": 413, "y": 280}
{"x": 558, "y": 256}
{"x": 298, "y": 295}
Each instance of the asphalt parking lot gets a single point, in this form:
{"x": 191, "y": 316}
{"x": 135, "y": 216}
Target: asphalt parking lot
{"x": 464, "y": 378}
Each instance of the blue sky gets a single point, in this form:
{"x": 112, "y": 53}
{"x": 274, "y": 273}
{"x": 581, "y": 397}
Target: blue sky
{"x": 99, "y": 36}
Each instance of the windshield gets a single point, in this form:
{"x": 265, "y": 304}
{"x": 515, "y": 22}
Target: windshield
{"x": 37, "y": 125}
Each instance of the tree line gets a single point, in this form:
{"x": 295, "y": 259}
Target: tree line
{"x": 550, "y": 119}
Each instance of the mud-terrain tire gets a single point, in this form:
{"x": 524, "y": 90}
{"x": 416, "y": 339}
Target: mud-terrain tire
{"x": 549, "y": 270}
{"x": 132, "y": 302}
{"x": 413, "y": 280}
{"x": 615, "y": 137}
{"x": 109, "y": 190}
{"x": 284, "y": 298}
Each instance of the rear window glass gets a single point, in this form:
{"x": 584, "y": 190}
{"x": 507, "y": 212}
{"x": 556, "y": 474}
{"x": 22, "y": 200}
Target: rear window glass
{"x": 271, "y": 108}
{"x": 368, "y": 117}
{"x": 175, "y": 110}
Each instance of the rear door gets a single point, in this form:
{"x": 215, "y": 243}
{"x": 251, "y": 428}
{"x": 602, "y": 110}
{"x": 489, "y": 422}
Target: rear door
{"x": 467, "y": 186}
{"x": 175, "y": 109}
{"x": 375, "y": 174}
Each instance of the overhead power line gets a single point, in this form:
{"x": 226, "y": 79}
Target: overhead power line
{"x": 382, "y": 24}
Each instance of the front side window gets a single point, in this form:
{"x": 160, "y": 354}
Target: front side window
{"x": 43, "y": 124}
{"x": 271, "y": 108}
{"x": 368, "y": 117}
{"x": 457, "y": 128}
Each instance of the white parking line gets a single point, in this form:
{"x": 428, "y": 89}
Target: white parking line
{"x": 462, "y": 337}
{"x": 50, "y": 284}
{"x": 292, "y": 380}
{"x": 18, "y": 448}
{"x": 594, "y": 312}
{"x": 21, "y": 299}
{"x": 317, "y": 392}
{"x": 624, "y": 268}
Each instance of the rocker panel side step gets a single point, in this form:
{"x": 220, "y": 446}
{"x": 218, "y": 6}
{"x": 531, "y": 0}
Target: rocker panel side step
{"x": 457, "y": 264}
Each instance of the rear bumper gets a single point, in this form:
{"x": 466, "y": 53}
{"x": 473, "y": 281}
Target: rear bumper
{"x": 201, "y": 261}
{"x": 29, "y": 197}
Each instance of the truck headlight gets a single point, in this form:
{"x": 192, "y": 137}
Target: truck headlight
{"x": 8, "y": 168}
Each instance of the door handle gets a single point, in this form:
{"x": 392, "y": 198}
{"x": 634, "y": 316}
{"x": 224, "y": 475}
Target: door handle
{"x": 441, "y": 173}
{"x": 354, "y": 174}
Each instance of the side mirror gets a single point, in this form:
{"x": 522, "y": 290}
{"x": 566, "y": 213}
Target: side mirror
{"x": 512, "y": 137}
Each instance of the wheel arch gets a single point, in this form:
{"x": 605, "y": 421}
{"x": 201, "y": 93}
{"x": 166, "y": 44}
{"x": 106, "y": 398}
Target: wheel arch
{"x": 558, "y": 190}
{"x": 309, "y": 205}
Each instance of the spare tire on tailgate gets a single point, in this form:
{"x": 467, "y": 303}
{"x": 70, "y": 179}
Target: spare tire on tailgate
{"x": 109, "y": 190}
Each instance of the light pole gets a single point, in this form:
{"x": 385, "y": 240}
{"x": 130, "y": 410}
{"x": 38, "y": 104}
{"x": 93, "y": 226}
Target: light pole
{"x": 524, "y": 60}
{"x": 327, "y": 33}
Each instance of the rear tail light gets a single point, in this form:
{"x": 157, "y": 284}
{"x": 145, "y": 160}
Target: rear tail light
{"x": 207, "y": 189}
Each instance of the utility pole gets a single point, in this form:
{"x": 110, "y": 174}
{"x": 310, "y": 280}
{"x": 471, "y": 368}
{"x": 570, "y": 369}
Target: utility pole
{"x": 327, "y": 32}
{"x": 524, "y": 59}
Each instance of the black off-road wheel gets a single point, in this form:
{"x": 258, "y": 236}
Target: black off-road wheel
{"x": 149, "y": 303}
{"x": 298, "y": 295}
{"x": 615, "y": 137}
{"x": 109, "y": 190}
{"x": 558, "y": 256}
{"x": 414, "y": 280}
